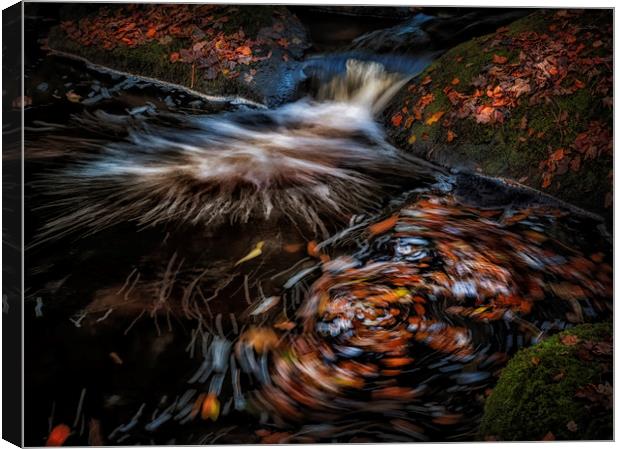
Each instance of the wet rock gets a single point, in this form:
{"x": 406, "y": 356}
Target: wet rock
{"x": 430, "y": 32}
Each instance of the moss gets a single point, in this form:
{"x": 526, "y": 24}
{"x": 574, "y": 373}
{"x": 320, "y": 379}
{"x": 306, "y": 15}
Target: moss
{"x": 151, "y": 59}
{"x": 536, "y": 392}
{"x": 508, "y": 149}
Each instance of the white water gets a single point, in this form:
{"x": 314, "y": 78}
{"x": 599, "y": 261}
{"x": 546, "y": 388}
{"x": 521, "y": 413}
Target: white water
{"x": 307, "y": 160}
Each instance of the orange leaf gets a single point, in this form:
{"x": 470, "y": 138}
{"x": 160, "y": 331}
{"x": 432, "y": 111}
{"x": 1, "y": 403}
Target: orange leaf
{"x": 245, "y": 50}
{"x": 151, "y": 32}
{"x": 292, "y": 247}
{"x": 569, "y": 340}
{"x": 435, "y": 117}
{"x": 397, "y": 120}
{"x": 383, "y": 226}
{"x": 427, "y": 80}
{"x": 498, "y": 59}
{"x": 451, "y": 136}
{"x": 58, "y": 435}
{"x": 455, "y": 81}
{"x": 312, "y": 249}
{"x": 210, "y": 408}
{"x": 174, "y": 57}
{"x": 557, "y": 155}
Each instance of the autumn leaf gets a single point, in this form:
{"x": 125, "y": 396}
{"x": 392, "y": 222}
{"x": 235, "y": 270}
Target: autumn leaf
{"x": 426, "y": 80}
{"x": 73, "y": 97}
{"x": 451, "y": 135}
{"x": 455, "y": 81}
{"x": 174, "y": 57}
{"x": 569, "y": 340}
{"x": 58, "y": 435}
{"x": 210, "y": 408}
{"x": 549, "y": 436}
{"x": 244, "y": 50}
{"x": 397, "y": 119}
{"x": 572, "y": 426}
{"x": 151, "y": 32}
{"x": 434, "y": 118}
{"x": 557, "y": 155}
{"x": 425, "y": 100}
{"x": 498, "y": 59}
{"x": 412, "y": 138}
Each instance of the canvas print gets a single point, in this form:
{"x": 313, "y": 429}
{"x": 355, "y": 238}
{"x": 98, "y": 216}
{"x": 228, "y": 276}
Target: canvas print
{"x": 260, "y": 224}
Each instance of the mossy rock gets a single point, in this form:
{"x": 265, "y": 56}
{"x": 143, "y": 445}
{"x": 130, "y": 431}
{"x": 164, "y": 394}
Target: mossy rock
{"x": 535, "y": 395}
{"x": 553, "y": 112}
{"x": 152, "y": 58}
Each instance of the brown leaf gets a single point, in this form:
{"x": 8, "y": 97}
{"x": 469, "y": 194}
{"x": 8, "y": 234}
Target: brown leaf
{"x": 572, "y": 426}
{"x": 451, "y": 135}
{"x": 569, "y": 340}
{"x": 549, "y": 437}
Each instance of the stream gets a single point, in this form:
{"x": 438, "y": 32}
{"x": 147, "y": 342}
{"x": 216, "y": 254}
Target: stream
{"x": 209, "y": 271}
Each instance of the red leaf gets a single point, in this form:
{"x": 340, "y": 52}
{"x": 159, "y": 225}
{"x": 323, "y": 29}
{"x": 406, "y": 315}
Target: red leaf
{"x": 397, "y": 120}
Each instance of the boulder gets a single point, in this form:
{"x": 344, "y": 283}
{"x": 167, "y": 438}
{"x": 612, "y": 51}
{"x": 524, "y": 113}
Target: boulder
{"x": 219, "y": 50}
{"x": 531, "y": 102}
{"x": 559, "y": 389}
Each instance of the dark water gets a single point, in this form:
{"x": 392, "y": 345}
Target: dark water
{"x": 286, "y": 265}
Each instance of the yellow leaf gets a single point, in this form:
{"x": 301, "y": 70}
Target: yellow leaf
{"x": 210, "y": 408}
{"x": 412, "y": 139}
{"x": 257, "y": 251}
{"x": 73, "y": 97}
{"x": 434, "y": 118}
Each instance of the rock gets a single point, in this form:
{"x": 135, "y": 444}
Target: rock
{"x": 562, "y": 385}
{"x": 43, "y": 87}
{"x": 525, "y": 103}
{"x": 425, "y": 31}
{"x": 247, "y": 51}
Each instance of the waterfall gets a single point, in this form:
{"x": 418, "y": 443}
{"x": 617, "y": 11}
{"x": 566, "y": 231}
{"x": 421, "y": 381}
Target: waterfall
{"x": 316, "y": 158}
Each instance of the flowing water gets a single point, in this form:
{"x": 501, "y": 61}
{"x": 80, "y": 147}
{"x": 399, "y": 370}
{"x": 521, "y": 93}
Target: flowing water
{"x": 286, "y": 270}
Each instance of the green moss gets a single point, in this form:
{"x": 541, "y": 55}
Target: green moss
{"x": 536, "y": 392}
{"x": 152, "y": 60}
{"x": 509, "y": 149}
